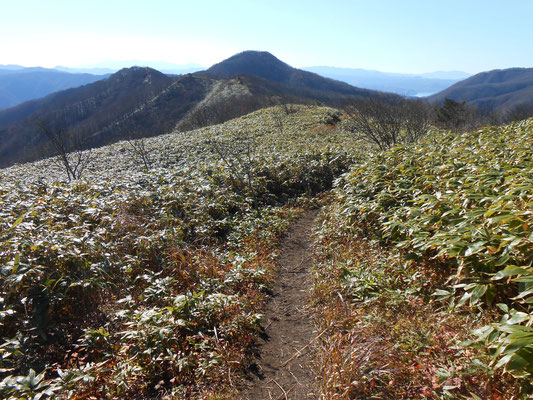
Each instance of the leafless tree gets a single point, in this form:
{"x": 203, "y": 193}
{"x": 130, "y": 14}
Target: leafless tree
{"x": 417, "y": 119}
{"x": 389, "y": 120}
{"x": 239, "y": 154}
{"x": 375, "y": 120}
{"x": 139, "y": 150}
{"x": 67, "y": 146}
{"x": 279, "y": 116}
{"x": 288, "y": 108}
{"x": 281, "y": 109}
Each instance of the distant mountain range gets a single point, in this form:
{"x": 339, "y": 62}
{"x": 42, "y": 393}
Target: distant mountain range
{"x": 19, "y": 84}
{"x": 403, "y": 84}
{"x": 140, "y": 100}
{"x": 111, "y": 67}
{"x": 147, "y": 102}
{"x": 500, "y": 89}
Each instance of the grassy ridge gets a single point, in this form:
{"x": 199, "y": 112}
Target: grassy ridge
{"x": 134, "y": 283}
{"x": 435, "y": 237}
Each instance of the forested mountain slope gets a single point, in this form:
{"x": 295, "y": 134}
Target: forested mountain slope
{"x": 143, "y": 102}
{"x": 500, "y": 89}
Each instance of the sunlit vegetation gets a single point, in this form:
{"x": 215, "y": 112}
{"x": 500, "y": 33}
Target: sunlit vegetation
{"x": 424, "y": 271}
{"x": 146, "y": 277}
{"x": 144, "y": 280}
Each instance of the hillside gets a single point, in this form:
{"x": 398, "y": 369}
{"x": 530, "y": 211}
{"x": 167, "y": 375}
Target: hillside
{"x": 501, "y": 89}
{"x": 23, "y": 84}
{"x": 266, "y": 66}
{"x": 402, "y": 84}
{"x": 150, "y": 276}
{"x": 135, "y": 100}
{"x": 145, "y": 102}
{"x": 161, "y": 273}
{"x": 423, "y": 271}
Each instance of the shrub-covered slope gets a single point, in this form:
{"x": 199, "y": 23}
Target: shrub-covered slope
{"x": 146, "y": 278}
{"x": 131, "y": 283}
{"x": 424, "y": 270}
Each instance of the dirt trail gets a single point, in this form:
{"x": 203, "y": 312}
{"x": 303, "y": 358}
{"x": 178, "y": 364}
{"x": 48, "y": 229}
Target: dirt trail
{"x": 282, "y": 372}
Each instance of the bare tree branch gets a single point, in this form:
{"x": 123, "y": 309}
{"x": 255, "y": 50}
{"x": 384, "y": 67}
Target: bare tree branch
{"x": 388, "y": 121}
{"x": 138, "y": 147}
{"x": 67, "y": 146}
{"x": 239, "y": 155}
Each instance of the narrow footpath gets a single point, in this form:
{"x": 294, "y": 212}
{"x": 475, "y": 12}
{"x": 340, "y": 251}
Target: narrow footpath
{"x": 283, "y": 369}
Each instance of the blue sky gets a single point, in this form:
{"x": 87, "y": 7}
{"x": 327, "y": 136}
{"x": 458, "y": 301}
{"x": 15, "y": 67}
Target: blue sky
{"x": 396, "y": 36}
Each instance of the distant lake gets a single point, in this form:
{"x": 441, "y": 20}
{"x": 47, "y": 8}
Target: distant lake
{"x": 424, "y": 94}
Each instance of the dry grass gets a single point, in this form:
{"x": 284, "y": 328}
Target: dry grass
{"x": 389, "y": 339}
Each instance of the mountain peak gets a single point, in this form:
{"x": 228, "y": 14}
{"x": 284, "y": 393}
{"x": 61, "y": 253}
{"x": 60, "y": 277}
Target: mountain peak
{"x": 250, "y": 62}
{"x": 136, "y": 75}
{"x": 136, "y": 70}
{"x": 255, "y": 55}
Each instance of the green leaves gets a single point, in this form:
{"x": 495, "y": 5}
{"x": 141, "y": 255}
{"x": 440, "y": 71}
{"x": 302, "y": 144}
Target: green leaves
{"x": 175, "y": 238}
{"x": 465, "y": 200}
{"x": 17, "y": 222}
{"x": 32, "y": 386}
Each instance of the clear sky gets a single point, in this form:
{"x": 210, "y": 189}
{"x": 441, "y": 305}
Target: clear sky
{"x": 395, "y": 36}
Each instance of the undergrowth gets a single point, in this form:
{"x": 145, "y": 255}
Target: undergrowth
{"x": 424, "y": 267}
{"x": 136, "y": 283}
{"x": 386, "y": 336}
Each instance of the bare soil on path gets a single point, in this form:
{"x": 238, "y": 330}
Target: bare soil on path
{"x": 283, "y": 369}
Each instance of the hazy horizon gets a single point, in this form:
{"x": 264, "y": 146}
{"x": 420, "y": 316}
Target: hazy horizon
{"x": 401, "y": 37}
{"x": 114, "y": 65}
